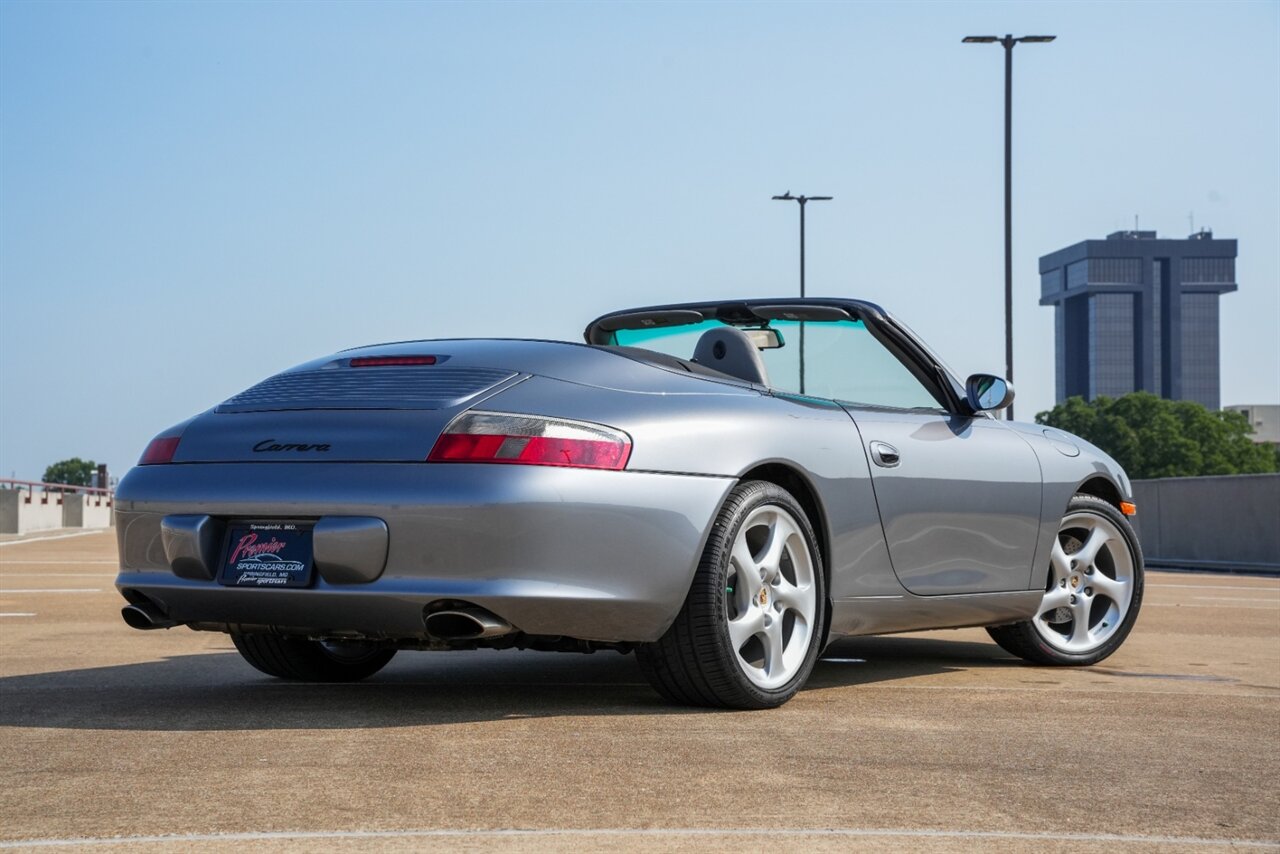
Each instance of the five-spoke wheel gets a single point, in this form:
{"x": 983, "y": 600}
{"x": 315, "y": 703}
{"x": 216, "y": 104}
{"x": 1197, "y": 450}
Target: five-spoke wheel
{"x": 1093, "y": 591}
{"x": 771, "y": 599}
{"x": 752, "y": 625}
{"x": 1090, "y": 584}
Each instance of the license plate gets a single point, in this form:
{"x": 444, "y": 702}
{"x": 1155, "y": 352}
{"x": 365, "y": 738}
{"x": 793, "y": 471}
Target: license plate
{"x": 267, "y": 554}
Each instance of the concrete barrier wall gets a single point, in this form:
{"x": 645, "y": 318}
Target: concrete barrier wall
{"x": 86, "y": 511}
{"x": 22, "y": 511}
{"x": 1230, "y": 522}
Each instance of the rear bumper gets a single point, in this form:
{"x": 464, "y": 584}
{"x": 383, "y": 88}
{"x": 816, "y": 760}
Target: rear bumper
{"x": 595, "y": 555}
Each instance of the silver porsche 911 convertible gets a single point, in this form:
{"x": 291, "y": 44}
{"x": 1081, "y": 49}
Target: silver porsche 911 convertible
{"x": 722, "y": 488}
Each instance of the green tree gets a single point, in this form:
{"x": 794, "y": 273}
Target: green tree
{"x": 75, "y": 471}
{"x": 1152, "y": 437}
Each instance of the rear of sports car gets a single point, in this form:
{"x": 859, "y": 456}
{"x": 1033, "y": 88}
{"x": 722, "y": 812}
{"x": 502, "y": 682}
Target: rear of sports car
{"x": 429, "y": 494}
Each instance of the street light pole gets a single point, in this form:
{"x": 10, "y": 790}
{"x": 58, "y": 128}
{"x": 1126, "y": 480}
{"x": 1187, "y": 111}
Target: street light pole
{"x": 1008, "y": 212}
{"x": 1008, "y": 43}
{"x": 802, "y": 200}
{"x": 802, "y": 248}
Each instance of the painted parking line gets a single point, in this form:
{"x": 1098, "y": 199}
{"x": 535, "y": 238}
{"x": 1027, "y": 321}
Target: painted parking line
{"x": 4, "y": 574}
{"x": 77, "y": 562}
{"x": 52, "y": 590}
{"x": 16, "y": 614}
{"x": 54, "y": 537}
{"x": 1271, "y": 588}
{"x": 1231, "y": 607}
{"x": 1096, "y": 686}
{"x": 619, "y": 833}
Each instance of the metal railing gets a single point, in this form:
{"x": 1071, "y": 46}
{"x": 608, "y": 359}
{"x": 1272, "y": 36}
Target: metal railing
{"x": 46, "y": 491}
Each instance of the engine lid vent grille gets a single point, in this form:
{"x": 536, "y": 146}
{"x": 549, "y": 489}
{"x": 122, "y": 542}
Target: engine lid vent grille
{"x": 378, "y": 388}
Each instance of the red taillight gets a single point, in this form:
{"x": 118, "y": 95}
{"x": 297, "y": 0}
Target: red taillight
{"x": 160, "y": 451}
{"x": 491, "y": 437}
{"x": 386, "y": 361}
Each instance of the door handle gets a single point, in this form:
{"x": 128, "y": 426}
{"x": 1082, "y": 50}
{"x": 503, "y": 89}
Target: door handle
{"x": 883, "y": 454}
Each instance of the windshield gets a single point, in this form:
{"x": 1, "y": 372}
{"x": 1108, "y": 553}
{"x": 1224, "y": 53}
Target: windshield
{"x": 842, "y": 361}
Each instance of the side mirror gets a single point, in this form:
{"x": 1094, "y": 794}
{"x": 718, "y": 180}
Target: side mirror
{"x": 987, "y": 393}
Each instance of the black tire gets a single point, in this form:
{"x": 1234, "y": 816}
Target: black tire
{"x": 694, "y": 663}
{"x": 1023, "y": 640}
{"x": 305, "y": 660}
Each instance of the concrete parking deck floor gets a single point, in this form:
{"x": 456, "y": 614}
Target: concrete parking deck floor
{"x": 935, "y": 742}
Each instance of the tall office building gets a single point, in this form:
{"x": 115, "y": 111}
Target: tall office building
{"x": 1137, "y": 313}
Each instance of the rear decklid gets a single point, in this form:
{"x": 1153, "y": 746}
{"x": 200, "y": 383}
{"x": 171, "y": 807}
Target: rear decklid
{"x": 370, "y": 405}
{"x": 338, "y": 385}
{"x": 389, "y": 403}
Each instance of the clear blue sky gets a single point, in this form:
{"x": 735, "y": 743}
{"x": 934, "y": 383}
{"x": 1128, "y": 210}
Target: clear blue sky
{"x": 194, "y": 196}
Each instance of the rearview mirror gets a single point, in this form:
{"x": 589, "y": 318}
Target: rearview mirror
{"x": 987, "y": 393}
{"x": 765, "y": 339}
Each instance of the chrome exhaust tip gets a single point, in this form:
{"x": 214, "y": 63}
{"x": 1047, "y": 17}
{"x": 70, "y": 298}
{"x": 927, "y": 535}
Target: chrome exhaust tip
{"x": 469, "y": 623}
{"x": 145, "y": 617}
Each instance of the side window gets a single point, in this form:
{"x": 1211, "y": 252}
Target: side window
{"x": 843, "y": 361}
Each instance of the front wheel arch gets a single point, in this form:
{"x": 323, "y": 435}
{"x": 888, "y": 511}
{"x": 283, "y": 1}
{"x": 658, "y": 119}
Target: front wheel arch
{"x": 1101, "y": 487}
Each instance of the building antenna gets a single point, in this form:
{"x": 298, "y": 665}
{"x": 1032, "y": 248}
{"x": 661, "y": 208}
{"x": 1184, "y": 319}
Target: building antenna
{"x": 1135, "y": 223}
{"x": 1191, "y": 220}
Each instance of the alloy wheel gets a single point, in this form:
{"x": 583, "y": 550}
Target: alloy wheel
{"x": 1090, "y": 585}
{"x": 771, "y": 600}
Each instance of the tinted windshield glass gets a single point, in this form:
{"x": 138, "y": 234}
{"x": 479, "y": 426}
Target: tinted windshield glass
{"x": 843, "y": 361}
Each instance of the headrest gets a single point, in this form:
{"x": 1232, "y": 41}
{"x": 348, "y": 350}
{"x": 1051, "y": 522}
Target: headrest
{"x": 730, "y": 351}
